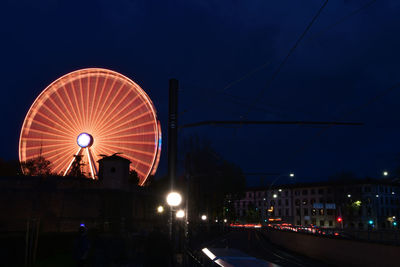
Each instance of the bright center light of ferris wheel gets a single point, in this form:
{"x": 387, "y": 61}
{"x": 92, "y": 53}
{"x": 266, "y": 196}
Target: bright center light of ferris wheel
{"x": 84, "y": 140}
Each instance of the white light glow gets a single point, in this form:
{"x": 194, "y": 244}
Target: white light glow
{"x": 208, "y": 253}
{"x": 84, "y": 140}
{"x": 174, "y": 199}
{"x": 291, "y": 174}
{"x": 160, "y": 209}
{"x": 385, "y": 173}
{"x": 180, "y": 214}
{"x": 274, "y": 195}
{"x": 203, "y": 217}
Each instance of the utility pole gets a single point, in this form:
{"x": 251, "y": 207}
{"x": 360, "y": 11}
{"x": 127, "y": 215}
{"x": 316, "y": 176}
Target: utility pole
{"x": 172, "y": 130}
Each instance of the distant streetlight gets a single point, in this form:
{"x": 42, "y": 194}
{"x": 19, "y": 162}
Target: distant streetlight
{"x": 174, "y": 199}
{"x": 291, "y": 174}
{"x": 204, "y": 217}
{"x": 348, "y": 195}
{"x": 280, "y": 190}
{"x": 385, "y": 173}
{"x": 274, "y": 195}
{"x": 180, "y": 214}
{"x": 160, "y": 209}
{"x": 216, "y": 220}
{"x": 225, "y": 220}
{"x": 377, "y": 195}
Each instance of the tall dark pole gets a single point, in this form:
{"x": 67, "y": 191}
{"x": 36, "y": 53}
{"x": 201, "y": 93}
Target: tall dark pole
{"x": 172, "y": 143}
{"x": 172, "y": 130}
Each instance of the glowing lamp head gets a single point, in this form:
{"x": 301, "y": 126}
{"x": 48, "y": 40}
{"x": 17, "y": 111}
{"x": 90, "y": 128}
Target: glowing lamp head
{"x": 174, "y": 199}
{"x": 84, "y": 140}
{"x": 180, "y": 214}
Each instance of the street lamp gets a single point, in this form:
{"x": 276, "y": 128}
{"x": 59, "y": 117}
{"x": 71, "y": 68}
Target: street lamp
{"x": 204, "y": 217}
{"x": 160, "y": 209}
{"x": 385, "y": 173}
{"x": 180, "y": 214}
{"x": 291, "y": 174}
{"x": 174, "y": 199}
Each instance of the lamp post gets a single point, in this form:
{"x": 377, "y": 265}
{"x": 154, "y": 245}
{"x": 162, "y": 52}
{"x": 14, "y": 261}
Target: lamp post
{"x": 174, "y": 199}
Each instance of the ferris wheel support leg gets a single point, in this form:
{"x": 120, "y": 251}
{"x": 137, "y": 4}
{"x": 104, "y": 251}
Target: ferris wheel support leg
{"x": 93, "y": 170}
{"x": 72, "y": 161}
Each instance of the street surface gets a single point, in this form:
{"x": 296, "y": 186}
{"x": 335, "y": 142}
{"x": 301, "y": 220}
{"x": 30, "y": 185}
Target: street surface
{"x": 252, "y": 242}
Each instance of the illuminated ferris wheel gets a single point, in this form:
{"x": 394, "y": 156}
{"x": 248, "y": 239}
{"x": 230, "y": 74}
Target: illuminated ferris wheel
{"x": 91, "y": 112}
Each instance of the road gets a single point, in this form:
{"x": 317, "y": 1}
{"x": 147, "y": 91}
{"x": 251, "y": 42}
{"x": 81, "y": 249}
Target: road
{"x": 253, "y": 242}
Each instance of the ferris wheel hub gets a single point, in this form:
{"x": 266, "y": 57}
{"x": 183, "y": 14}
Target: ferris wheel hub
{"x": 85, "y": 140}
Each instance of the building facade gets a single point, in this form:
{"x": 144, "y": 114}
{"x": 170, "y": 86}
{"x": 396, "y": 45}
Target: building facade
{"x": 358, "y": 204}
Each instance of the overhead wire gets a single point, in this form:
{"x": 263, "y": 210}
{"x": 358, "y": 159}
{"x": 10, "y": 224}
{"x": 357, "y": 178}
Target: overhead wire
{"x": 292, "y": 49}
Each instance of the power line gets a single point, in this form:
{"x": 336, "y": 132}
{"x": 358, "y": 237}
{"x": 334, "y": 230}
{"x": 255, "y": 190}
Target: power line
{"x": 341, "y": 20}
{"x": 217, "y": 123}
{"x": 261, "y": 94}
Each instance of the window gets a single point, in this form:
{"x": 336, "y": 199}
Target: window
{"x": 321, "y": 211}
{"x": 279, "y": 202}
{"x": 329, "y": 190}
{"x": 287, "y": 212}
{"x": 305, "y": 212}
{"x": 329, "y": 212}
{"x": 297, "y": 202}
{"x": 321, "y": 223}
{"x": 314, "y": 212}
{"x": 305, "y": 201}
{"x": 297, "y": 193}
{"x": 330, "y": 223}
{"x": 314, "y": 221}
{"x": 312, "y": 201}
{"x": 298, "y": 212}
{"x": 312, "y": 191}
{"x": 279, "y": 212}
{"x": 286, "y": 193}
{"x": 321, "y": 200}
{"x": 287, "y": 202}
{"x": 305, "y": 192}
{"x": 298, "y": 223}
{"x": 320, "y": 191}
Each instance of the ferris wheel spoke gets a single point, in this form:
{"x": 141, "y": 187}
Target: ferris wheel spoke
{"x": 98, "y": 100}
{"x": 65, "y": 127}
{"x": 125, "y": 116}
{"x": 67, "y": 111}
{"x": 65, "y": 119}
{"x": 116, "y": 106}
{"x": 42, "y": 132}
{"x": 122, "y": 109}
{"x": 82, "y": 101}
{"x": 106, "y": 111}
{"x": 131, "y": 149}
{"x": 77, "y": 104}
{"x": 57, "y": 162}
{"x": 113, "y": 132}
{"x": 72, "y": 107}
{"x": 100, "y": 111}
{"x": 93, "y": 101}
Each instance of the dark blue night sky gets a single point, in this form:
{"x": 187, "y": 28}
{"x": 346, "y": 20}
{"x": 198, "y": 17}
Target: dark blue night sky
{"x": 342, "y": 70}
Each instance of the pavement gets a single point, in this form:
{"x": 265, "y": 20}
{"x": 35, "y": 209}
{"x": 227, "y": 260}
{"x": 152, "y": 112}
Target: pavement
{"x": 254, "y": 243}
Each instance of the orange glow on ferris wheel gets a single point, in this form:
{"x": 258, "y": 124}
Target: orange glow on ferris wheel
{"x": 91, "y": 112}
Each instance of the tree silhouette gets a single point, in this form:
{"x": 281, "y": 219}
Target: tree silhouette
{"x": 76, "y": 168}
{"x": 36, "y": 167}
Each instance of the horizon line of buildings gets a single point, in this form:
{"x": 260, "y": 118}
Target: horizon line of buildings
{"x": 351, "y": 204}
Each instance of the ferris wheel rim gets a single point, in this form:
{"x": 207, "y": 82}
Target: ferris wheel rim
{"x": 53, "y": 87}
